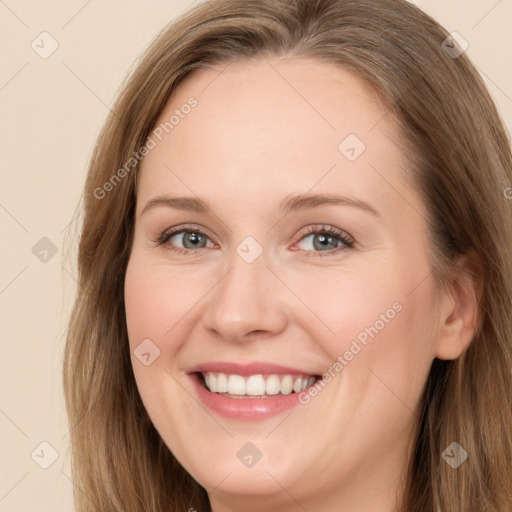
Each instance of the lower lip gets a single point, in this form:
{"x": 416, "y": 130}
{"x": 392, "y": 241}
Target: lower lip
{"x": 245, "y": 409}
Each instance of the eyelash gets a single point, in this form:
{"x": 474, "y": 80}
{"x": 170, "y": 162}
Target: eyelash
{"x": 343, "y": 237}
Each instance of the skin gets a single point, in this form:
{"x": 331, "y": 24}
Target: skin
{"x": 251, "y": 142}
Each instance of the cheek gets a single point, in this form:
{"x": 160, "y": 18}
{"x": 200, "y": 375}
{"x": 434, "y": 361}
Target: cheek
{"x": 157, "y": 298}
{"x": 156, "y": 302}
{"x": 363, "y": 303}
{"x": 377, "y": 326}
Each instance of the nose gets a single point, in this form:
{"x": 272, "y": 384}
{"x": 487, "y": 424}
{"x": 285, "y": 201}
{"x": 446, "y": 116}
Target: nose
{"x": 249, "y": 302}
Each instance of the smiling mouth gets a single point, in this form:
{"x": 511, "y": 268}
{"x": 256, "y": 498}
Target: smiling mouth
{"x": 255, "y": 386}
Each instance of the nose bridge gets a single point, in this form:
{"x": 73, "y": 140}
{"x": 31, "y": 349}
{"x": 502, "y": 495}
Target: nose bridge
{"x": 247, "y": 299}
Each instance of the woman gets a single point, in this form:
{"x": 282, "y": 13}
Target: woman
{"x": 295, "y": 271}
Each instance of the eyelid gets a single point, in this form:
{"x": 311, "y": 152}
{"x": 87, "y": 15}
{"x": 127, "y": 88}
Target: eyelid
{"x": 170, "y": 232}
{"x": 325, "y": 228}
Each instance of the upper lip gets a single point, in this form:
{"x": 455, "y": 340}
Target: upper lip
{"x": 255, "y": 368}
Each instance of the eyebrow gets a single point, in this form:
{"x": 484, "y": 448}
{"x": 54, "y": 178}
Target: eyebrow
{"x": 308, "y": 201}
{"x": 190, "y": 204}
{"x": 290, "y": 204}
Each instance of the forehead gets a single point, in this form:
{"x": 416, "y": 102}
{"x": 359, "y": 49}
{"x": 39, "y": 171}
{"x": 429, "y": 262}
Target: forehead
{"x": 271, "y": 127}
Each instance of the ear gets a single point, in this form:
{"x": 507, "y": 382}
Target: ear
{"x": 460, "y": 309}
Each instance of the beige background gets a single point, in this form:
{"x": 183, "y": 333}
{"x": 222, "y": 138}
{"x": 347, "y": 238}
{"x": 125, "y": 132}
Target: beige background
{"x": 51, "y": 112}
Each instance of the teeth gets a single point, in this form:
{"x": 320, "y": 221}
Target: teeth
{"x": 256, "y": 385}
{"x": 287, "y": 385}
{"x": 236, "y": 384}
{"x": 212, "y": 385}
{"x": 273, "y": 386}
{"x": 222, "y": 383}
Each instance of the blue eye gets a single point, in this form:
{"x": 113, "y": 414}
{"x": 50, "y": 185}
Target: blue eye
{"x": 319, "y": 240}
{"x": 191, "y": 239}
{"x": 322, "y": 241}
{"x": 327, "y": 240}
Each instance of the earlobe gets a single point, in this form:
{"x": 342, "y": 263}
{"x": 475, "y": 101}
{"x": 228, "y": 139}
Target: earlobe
{"x": 461, "y": 313}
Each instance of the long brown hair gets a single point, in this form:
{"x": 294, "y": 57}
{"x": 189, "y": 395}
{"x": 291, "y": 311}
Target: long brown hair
{"x": 460, "y": 162}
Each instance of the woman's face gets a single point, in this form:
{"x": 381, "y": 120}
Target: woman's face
{"x": 298, "y": 250}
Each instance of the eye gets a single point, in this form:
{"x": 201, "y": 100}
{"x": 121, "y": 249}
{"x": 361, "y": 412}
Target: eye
{"x": 317, "y": 241}
{"x": 325, "y": 240}
{"x": 184, "y": 240}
